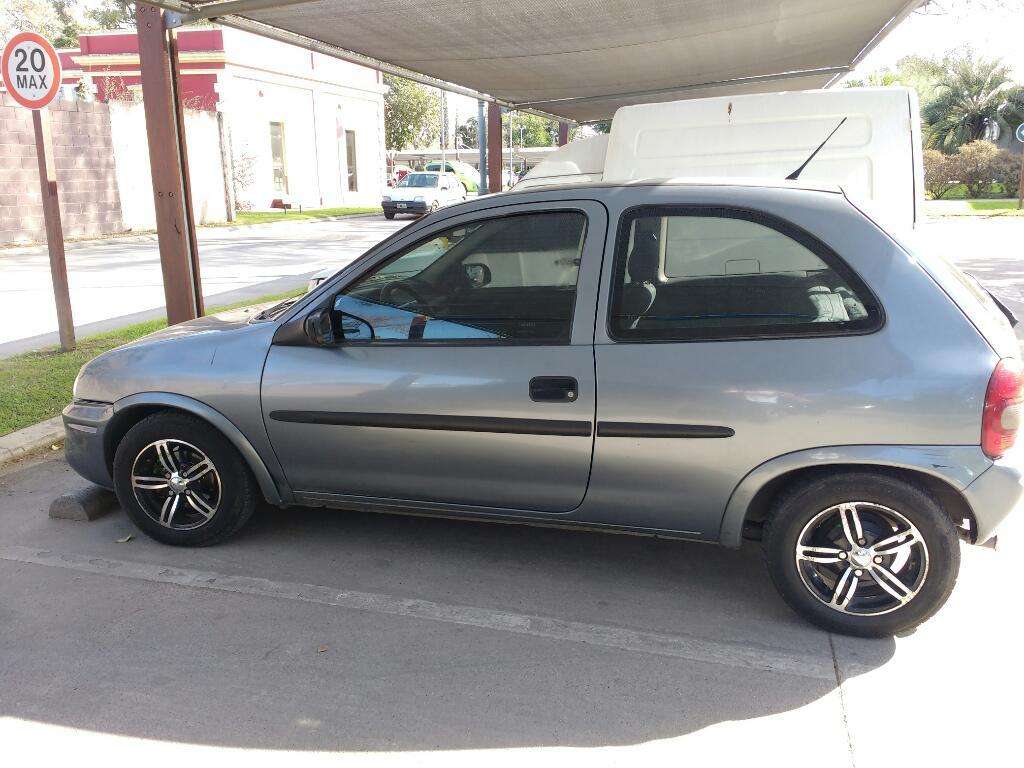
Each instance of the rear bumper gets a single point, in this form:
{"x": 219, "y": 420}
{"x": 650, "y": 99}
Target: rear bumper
{"x": 996, "y": 492}
{"x": 85, "y": 425}
{"x": 410, "y": 207}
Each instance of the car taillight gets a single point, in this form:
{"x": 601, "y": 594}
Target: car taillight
{"x": 1001, "y": 417}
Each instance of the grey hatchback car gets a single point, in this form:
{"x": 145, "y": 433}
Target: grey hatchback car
{"x": 695, "y": 360}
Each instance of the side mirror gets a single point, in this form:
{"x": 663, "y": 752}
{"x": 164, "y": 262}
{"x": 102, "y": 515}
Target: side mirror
{"x": 478, "y": 275}
{"x": 319, "y": 327}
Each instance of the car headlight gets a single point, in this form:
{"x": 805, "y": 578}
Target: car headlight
{"x": 419, "y": 199}
{"x": 387, "y": 198}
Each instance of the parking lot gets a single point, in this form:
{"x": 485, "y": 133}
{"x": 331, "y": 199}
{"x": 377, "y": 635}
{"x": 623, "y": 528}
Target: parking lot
{"x": 411, "y": 640}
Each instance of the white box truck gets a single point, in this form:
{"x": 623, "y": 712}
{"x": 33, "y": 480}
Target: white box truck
{"x": 875, "y": 155}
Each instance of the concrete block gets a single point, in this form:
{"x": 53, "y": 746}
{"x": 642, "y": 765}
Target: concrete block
{"x": 83, "y": 504}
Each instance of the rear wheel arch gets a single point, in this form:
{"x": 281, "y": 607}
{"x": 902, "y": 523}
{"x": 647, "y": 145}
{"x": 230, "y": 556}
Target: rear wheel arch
{"x": 748, "y": 510}
{"x": 136, "y": 408}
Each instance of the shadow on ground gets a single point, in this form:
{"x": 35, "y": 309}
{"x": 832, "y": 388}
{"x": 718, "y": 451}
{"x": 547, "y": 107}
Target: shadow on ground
{"x": 160, "y": 661}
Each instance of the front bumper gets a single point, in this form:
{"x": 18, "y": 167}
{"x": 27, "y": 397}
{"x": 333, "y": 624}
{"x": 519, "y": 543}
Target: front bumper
{"x": 995, "y": 493}
{"x": 392, "y": 206}
{"x": 85, "y": 424}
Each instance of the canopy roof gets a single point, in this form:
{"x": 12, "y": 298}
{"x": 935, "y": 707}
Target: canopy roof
{"x": 581, "y": 59}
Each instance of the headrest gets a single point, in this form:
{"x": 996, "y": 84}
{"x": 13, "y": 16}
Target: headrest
{"x": 643, "y": 262}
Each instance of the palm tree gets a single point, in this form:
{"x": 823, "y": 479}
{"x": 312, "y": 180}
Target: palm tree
{"x": 969, "y": 96}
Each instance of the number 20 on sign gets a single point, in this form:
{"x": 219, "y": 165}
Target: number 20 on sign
{"x": 31, "y": 70}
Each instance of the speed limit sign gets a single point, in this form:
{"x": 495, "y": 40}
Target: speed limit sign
{"x": 31, "y": 70}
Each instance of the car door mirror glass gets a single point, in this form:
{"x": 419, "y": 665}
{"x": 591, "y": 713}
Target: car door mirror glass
{"x": 319, "y": 328}
{"x": 478, "y": 275}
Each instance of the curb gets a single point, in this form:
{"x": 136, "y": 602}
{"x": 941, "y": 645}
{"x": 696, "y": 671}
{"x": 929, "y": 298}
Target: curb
{"x": 20, "y": 444}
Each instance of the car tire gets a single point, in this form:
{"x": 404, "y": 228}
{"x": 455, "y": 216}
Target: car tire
{"x": 833, "y": 546}
{"x": 389, "y": 215}
{"x": 181, "y": 482}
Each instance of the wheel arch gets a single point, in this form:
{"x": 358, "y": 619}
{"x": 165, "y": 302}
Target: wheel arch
{"x": 942, "y": 471}
{"x": 131, "y": 410}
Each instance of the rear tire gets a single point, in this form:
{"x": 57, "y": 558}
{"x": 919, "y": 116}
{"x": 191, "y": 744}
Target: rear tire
{"x": 833, "y": 547}
{"x": 181, "y": 482}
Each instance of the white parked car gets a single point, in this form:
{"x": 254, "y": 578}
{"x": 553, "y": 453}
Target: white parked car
{"x": 422, "y": 192}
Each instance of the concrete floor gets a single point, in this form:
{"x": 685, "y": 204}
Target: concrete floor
{"x": 418, "y": 641}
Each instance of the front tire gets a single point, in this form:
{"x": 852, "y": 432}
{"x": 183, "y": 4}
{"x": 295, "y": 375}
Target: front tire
{"x": 181, "y": 482}
{"x": 861, "y": 554}
{"x": 389, "y": 214}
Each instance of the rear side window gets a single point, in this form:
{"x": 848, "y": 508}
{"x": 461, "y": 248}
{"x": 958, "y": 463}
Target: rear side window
{"x": 710, "y": 273}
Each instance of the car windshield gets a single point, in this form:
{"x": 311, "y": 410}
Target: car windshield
{"x": 419, "y": 180}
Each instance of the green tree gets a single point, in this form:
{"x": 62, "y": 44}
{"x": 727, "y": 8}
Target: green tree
{"x": 466, "y": 134}
{"x": 29, "y": 16}
{"x": 970, "y": 95}
{"x": 70, "y": 26}
{"x": 412, "y": 114}
{"x": 113, "y": 14}
{"x": 528, "y": 130}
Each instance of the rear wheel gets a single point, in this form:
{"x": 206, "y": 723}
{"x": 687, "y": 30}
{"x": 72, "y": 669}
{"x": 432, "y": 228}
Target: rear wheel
{"x": 182, "y": 482}
{"x": 862, "y": 554}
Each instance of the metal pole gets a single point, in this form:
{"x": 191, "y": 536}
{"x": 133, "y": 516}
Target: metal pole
{"x": 481, "y": 141}
{"x": 1020, "y": 183}
{"x": 54, "y": 230}
{"x": 509, "y": 149}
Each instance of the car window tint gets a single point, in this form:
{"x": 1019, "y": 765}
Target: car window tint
{"x": 509, "y": 279}
{"x": 724, "y": 274}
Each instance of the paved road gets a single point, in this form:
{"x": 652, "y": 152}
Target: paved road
{"x": 413, "y": 641}
{"x": 117, "y": 282}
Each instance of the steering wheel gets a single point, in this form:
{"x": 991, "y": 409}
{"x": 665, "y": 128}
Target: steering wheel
{"x": 401, "y": 286}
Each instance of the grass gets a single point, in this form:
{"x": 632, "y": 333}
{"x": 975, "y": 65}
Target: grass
{"x": 35, "y": 386}
{"x": 985, "y": 208}
{"x": 261, "y": 217}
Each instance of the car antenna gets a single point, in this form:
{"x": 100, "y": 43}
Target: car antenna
{"x": 796, "y": 174}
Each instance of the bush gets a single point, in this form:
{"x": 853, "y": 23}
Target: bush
{"x": 1007, "y": 172}
{"x": 975, "y": 166}
{"x": 940, "y": 173}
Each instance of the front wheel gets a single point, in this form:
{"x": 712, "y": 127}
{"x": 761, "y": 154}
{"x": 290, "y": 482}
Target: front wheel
{"x": 389, "y": 214}
{"x": 862, "y": 554}
{"x": 181, "y": 481}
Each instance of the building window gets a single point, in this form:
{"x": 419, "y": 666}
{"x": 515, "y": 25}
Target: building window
{"x": 277, "y": 161}
{"x": 350, "y": 157}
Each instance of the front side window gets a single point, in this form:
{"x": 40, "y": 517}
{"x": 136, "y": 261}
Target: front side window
{"x": 511, "y": 279}
{"x": 717, "y": 273}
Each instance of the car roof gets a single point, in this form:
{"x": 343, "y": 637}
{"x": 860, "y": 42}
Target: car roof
{"x": 690, "y": 181}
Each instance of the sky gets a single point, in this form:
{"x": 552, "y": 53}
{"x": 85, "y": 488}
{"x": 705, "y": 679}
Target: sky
{"x": 992, "y": 28}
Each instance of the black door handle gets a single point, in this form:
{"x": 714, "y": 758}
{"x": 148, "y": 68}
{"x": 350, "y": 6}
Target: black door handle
{"x": 554, "y": 389}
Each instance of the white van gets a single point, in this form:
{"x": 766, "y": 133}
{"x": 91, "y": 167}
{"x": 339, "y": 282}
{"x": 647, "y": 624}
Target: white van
{"x": 875, "y": 156}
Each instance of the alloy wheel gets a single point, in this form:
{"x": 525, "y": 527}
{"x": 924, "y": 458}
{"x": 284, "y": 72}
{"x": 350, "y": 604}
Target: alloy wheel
{"x": 862, "y": 558}
{"x": 176, "y": 484}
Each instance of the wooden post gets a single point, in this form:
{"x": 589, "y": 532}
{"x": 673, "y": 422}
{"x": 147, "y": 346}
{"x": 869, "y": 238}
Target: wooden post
{"x": 494, "y": 150}
{"x": 54, "y": 229}
{"x": 182, "y": 288}
{"x": 563, "y": 133}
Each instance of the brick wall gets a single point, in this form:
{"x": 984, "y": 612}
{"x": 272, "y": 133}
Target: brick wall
{"x": 84, "y": 157}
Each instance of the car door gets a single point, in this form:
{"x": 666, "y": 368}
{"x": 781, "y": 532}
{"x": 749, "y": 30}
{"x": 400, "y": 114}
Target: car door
{"x": 465, "y": 375}
{"x": 727, "y": 337}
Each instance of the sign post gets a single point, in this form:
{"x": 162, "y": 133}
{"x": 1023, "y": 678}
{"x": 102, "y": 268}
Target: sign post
{"x": 31, "y": 74}
{"x": 1020, "y": 183}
